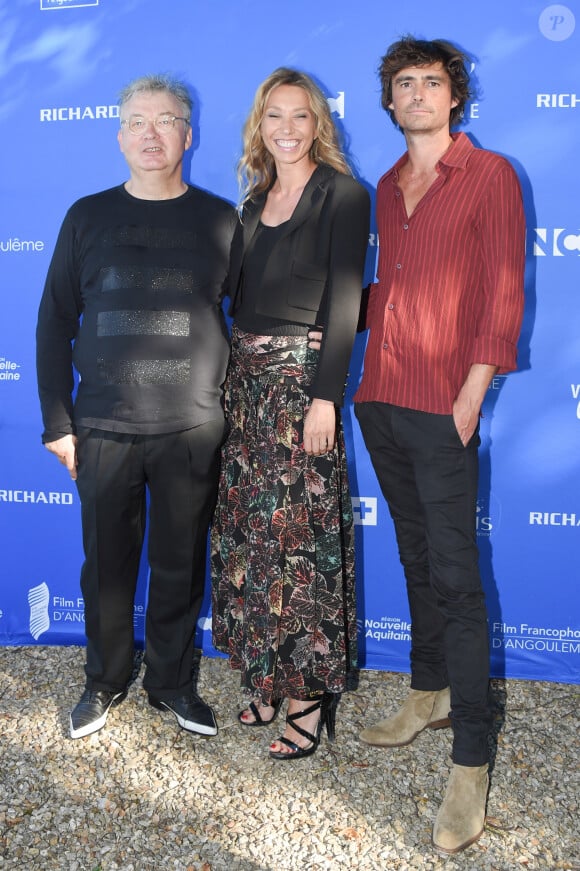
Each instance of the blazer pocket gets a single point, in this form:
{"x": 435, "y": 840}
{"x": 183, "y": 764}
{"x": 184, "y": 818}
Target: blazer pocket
{"x": 307, "y": 282}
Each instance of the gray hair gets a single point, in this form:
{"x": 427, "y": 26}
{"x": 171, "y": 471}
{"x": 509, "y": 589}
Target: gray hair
{"x": 158, "y": 82}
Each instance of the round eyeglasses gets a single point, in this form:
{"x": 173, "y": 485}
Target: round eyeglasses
{"x": 137, "y": 124}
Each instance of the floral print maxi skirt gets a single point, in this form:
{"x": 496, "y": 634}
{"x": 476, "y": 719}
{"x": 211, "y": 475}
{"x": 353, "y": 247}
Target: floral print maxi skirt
{"x": 282, "y": 541}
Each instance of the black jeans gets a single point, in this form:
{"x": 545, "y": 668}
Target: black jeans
{"x": 180, "y": 471}
{"x": 429, "y": 480}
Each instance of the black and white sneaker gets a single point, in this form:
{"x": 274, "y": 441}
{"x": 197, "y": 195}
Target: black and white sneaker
{"x": 192, "y": 713}
{"x": 91, "y": 713}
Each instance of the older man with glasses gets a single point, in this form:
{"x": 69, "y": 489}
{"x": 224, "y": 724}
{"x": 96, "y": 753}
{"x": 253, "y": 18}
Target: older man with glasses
{"x": 132, "y": 303}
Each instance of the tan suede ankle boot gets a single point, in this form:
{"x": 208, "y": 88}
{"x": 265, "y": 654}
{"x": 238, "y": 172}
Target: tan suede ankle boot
{"x": 461, "y": 818}
{"x": 420, "y": 710}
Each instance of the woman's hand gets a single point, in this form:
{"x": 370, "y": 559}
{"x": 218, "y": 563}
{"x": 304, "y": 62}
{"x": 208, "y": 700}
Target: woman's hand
{"x": 315, "y": 338}
{"x": 320, "y": 427}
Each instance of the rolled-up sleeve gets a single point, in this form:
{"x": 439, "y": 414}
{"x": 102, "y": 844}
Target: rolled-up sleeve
{"x": 502, "y": 237}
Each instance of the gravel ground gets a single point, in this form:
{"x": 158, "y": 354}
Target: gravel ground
{"x": 143, "y": 795}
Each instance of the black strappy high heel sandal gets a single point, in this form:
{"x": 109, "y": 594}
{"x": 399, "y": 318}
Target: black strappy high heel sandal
{"x": 259, "y": 721}
{"x": 327, "y": 704}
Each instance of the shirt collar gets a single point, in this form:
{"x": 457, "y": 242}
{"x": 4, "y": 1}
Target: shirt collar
{"x": 456, "y": 155}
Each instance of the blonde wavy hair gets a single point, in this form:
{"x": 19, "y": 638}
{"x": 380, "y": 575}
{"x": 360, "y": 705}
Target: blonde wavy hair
{"x": 256, "y": 168}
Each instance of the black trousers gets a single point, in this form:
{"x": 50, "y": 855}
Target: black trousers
{"x": 180, "y": 471}
{"x": 429, "y": 480}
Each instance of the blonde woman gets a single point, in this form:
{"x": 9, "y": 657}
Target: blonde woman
{"x": 282, "y": 539}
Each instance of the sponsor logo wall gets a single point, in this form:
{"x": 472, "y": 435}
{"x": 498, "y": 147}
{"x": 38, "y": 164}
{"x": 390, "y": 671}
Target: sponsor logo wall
{"x": 64, "y": 63}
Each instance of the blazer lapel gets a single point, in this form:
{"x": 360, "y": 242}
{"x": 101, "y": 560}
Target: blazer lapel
{"x": 244, "y": 232}
{"x": 251, "y": 217}
{"x": 312, "y": 198}
{"x": 313, "y": 193}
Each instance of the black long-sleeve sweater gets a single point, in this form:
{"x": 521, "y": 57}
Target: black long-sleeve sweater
{"x": 132, "y": 301}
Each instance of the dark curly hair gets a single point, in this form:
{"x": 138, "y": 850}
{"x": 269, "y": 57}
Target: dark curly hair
{"x": 411, "y": 52}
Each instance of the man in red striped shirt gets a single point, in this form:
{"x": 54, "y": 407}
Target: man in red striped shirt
{"x": 444, "y": 318}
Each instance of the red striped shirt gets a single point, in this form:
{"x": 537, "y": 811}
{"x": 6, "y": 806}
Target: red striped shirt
{"x": 450, "y": 281}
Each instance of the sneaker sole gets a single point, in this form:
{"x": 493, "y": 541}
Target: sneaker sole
{"x": 188, "y": 725}
{"x": 83, "y": 731}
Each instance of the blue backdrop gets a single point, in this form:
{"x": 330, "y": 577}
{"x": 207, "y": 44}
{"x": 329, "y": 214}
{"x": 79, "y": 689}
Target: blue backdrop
{"x": 62, "y": 64}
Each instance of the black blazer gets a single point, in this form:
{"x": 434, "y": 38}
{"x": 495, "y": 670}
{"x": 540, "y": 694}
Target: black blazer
{"x": 314, "y": 273}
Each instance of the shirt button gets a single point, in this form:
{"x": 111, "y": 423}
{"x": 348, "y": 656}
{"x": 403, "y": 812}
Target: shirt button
{"x": 405, "y": 226}
{"x": 398, "y": 265}
{"x": 385, "y": 346}
{"x": 391, "y": 306}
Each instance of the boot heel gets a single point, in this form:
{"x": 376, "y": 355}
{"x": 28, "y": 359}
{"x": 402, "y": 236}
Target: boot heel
{"x": 439, "y": 724}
